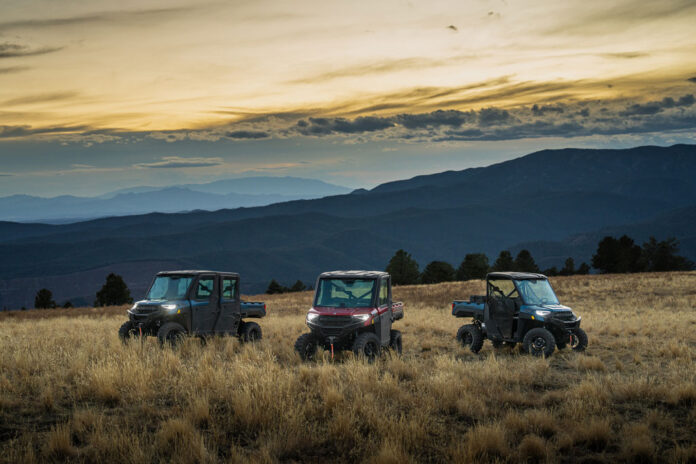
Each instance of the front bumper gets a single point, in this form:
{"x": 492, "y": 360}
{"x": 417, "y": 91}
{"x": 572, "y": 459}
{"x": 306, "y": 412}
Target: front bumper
{"x": 333, "y": 329}
{"x": 565, "y": 324}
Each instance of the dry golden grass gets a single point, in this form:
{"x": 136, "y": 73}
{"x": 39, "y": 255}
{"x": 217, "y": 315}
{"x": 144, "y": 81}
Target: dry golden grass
{"x": 70, "y": 391}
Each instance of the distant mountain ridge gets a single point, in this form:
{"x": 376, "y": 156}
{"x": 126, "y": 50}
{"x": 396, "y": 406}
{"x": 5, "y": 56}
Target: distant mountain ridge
{"x": 228, "y": 193}
{"x": 532, "y": 200}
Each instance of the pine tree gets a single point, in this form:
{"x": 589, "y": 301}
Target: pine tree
{"x": 114, "y": 292}
{"x": 403, "y": 269}
{"x": 44, "y": 299}
{"x": 504, "y": 262}
{"x": 274, "y": 288}
{"x": 525, "y": 263}
{"x": 568, "y": 267}
{"x": 438, "y": 271}
{"x": 474, "y": 266}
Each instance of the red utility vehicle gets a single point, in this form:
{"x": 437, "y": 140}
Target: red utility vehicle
{"x": 352, "y": 310}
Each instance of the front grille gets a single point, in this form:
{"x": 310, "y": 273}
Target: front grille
{"x": 146, "y": 309}
{"x": 331, "y": 332}
{"x": 335, "y": 321}
{"x": 564, "y": 316}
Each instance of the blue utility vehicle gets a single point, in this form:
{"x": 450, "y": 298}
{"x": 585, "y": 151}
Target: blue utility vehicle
{"x": 519, "y": 307}
{"x": 196, "y": 303}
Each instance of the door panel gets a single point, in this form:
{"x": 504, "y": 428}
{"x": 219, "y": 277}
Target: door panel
{"x": 204, "y": 304}
{"x": 384, "y": 300}
{"x": 502, "y": 311}
{"x": 230, "y": 306}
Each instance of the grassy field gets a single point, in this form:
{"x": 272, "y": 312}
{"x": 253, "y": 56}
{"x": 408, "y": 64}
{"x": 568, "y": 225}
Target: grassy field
{"x": 70, "y": 391}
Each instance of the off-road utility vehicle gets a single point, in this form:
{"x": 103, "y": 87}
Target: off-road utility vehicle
{"x": 352, "y": 310}
{"x": 197, "y": 303}
{"x": 519, "y": 307}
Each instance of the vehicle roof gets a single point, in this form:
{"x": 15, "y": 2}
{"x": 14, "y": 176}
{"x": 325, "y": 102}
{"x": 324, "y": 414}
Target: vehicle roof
{"x": 515, "y": 275}
{"x": 354, "y": 274}
{"x": 196, "y": 272}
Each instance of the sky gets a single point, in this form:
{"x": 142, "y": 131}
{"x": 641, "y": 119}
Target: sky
{"x": 96, "y": 96}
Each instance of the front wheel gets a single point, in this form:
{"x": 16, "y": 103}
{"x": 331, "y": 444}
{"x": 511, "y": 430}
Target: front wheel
{"x": 470, "y": 336}
{"x": 539, "y": 342}
{"x": 306, "y": 347}
{"x": 250, "y": 332}
{"x": 171, "y": 334}
{"x": 127, "y": 331}
{"x": 578, "y": 340}
{"x": 367, "y": 346}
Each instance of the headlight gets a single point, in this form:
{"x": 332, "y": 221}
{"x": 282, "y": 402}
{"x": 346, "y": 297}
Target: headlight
{"x": 361, "y": 317}
{"x": 312, "y": 317}
{"x": 169, "y": 307}
{"x": 542, "y": 313}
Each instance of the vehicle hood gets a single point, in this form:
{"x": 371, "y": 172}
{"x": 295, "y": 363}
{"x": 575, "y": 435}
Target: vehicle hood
{"x": 549, "y": 307}
{"x": 151, "y": 303}
{"x": 330, "y": 311}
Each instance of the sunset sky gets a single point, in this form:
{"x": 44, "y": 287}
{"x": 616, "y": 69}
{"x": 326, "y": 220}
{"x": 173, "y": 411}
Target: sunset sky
{"x": 97, "y": 96}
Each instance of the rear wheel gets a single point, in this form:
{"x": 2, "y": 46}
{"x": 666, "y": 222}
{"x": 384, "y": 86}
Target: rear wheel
{"x": 539, "y": 342}
{"x": 395, "y": 342}
{"x": 250, "y": 332}
{"x": 171, "y": 334}
{"x": 470, "y": 336}
{"x": 127, "y": 331}
{"x": 306, "y": 347}
{"x": 367, "y": 346}
{"x": 578, "y": 340}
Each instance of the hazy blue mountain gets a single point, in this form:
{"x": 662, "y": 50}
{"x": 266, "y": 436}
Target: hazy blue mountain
{"x": 259, "y": 185}
{"x": 232, "y": 193}
{"x": 530, "y": 201}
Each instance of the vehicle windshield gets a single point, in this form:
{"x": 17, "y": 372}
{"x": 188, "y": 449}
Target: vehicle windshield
{"x": 537, "y": 292}
{"x": 171, "y": 287}
{"x": 345, "y": 293}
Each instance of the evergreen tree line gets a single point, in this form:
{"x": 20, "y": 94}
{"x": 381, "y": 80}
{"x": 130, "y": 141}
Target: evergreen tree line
{"x": 114, "y": 292}
{"x": 613, "y": 255}
{"x": 274, "y": 287}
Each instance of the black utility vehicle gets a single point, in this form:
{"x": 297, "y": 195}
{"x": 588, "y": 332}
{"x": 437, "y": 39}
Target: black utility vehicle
{"x": 352, "y": 310}
{"x": 519, "y": 307}
{"x": 199, "y": 303}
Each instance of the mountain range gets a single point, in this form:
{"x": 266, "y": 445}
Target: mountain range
{"x": 556, "y": 203}
{"x": 228, "y": 193}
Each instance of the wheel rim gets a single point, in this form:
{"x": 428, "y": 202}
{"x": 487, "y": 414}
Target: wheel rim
{"x": 309, "y": 349}
{"x": 467, "y": 339}
{"x": 370, "y": 350}
{"x": 574, "y": 341}
{"x": 539, "y": 344}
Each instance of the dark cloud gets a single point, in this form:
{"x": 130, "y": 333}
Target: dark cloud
{"x": 24, "y": 130}
{"x": 246, "y": 134}
{"x": 452, "y": 118}
{"x": 326, "y": 126}
{"x": 540, "y": 110}
{"x": 452, "y": 27}
{"x": 40, "y": 98}
{"x": 14, "y": 50}
{"x": 13, "y": 69}
{"x": 655, "y": 107}
{"x": 686, "y": 100}
{"x": 493, "y": 116}
{"x": 176, "y": 162}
